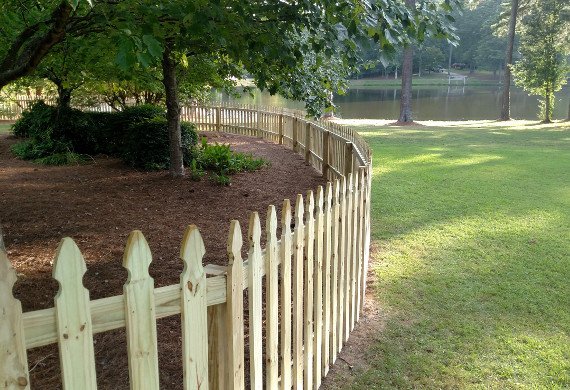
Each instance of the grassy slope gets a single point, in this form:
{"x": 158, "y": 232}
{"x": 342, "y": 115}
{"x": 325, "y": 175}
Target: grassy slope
{"x": 472, "y": 227}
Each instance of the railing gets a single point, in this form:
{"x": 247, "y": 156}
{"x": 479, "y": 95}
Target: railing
{"x": 314, "y": 278}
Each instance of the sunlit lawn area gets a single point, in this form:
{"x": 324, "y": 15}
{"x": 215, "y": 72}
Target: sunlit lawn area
{"x": 472, "y": 235}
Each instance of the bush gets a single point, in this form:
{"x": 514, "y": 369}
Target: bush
{"x": 222, "y": 161}
{"x": 147, "y": 144}
{"x": 35, "y": 121}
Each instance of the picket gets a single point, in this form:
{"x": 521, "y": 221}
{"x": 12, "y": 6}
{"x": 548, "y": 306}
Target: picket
{"x": 74, "y": 330}
{"x": 318, "y": 288}
{"x": 194, "y": 311}
{"x": 348, "y": 259}
{"x": 235, "y": 332}
{"x": 140, "y": 317}
{"x": 341, "y": 253}
{"x": 255, "y": 299}
{"x": 314, "y": 287}
{"x": 327, "y": 293}
{"x": 308, "y": 289}
{"x": 272, "y": 299}
{"x": 285, "y": 257}
{"x": 299, "y": 239}
{"x": 14, "y": 367}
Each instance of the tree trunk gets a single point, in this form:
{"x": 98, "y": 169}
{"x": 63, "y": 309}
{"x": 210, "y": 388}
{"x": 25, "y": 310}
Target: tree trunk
{"x": 568, "y": 117}
{"x": 63, "y": 97}
{"x": 172, "y": 112}
{"x": 506, "y": 99}
{"x": 406, "y": 94}
{"x": 547, "y": 106}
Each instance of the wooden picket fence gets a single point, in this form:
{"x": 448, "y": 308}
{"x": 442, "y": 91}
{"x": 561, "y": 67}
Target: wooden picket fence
{"x": 313, "y": 278}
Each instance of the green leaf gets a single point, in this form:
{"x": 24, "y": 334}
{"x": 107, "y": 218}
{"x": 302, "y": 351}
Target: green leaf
{"x": 154, "y": 47}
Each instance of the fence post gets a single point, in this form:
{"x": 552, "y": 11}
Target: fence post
{"x": 258, "y": 129}
{"x": 193, "y": 308}
{"x": 234, "y": 301}
{"x": 272, "y": 300}
{"x": 348, "y": 158}
{"x": 217, "y": 347}
{"x": 326, "y": 158}
{"x": 296, "y": 134}
{"x": 308, "y": 143}
{"x": 14, "y": 367}
{"x": 280, "y": 129}
{"x": 218, "y": 119}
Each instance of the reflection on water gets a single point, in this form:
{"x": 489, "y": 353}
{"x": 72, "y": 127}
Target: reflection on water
{"x": 431, "y": 103}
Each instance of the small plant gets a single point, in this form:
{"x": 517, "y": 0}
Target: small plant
{"x": 223, "y": 162}
{"x": 196, "y": 173}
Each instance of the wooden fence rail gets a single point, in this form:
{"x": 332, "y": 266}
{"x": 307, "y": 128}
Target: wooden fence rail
{"x": 313, "y": 275}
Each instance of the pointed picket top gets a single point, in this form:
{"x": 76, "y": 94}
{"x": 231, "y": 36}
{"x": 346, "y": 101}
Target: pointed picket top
{"x": 194, "y": 311}
{"x": 14, "y": 367}
{"x": 235, "y": 242}
{"x": 299, "y": 211}
{"x": 138, "y": 294}
{"x": 286, "y": 216}
{"x": 328, "y": 196}
{"x": 137, "y": 257}
{"x": 319, "y": 201}
{"x": 191, "y": 252}
{"x": 74, "y": 327}
{"x": 254, "y": 229}
{"x": 271, "y": 224}
{"x": 310, "y": 206}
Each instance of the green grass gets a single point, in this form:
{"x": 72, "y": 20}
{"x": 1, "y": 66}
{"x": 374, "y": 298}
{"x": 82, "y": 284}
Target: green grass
{"x": 471, "y": 225}
{"x": 4, "y": 128}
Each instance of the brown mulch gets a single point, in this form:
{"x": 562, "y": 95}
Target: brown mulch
{"x": 98, "y": 205}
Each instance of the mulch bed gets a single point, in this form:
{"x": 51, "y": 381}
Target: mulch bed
{"x": 99, "y": 204}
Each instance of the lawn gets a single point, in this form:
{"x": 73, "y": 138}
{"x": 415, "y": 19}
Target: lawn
{"x": 471, "y": 228}
{"x": 4, "y": 128}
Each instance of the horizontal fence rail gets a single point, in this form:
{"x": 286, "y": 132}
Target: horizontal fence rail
{"x": 305, "y": 288}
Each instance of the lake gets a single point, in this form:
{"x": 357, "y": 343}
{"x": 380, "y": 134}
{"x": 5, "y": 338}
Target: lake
{"x": 429, "y": 103}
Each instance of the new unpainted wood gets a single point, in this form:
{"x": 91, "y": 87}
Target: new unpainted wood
{"x": 327, "y": 293}
{"x": 272, "y": 300}
{"x": 138, "y": 293}
{"x": 299, "y": 239}
{"x": 218, "y": 347}
{"x": 326, "y": 153}
{"x": 308, "y": 289}
{"x": 342, "y": 261}
{"x": 285, "y": 253}
{"x": 335, "y": 273}
{"x": 280, "y": 129}
{"x": 234, "y": 296}
{"x": 348, "y": 264}
{"x": 13, "y": 358}
{"x": 354, "y": 251}
{"x": 361, "y": 230}
{"x": 318, "y": 288}
{"x": 74, "y": 330}
{"x": 194, "y": 311}
{"x": 255, "y": 299}
{"x": 308, "y": 142}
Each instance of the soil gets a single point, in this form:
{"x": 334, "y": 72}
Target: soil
{"x": 98, "y": 205}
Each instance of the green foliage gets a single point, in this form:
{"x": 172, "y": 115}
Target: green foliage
{"x": 221, "y": 161}
{"x": 147, "y": 144}
{"x": 35, "y": 121}
{"x": 543, "y": 67}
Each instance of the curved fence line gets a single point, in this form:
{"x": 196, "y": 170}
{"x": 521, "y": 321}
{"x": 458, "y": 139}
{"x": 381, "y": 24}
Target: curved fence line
{"x": 305, "y": 289}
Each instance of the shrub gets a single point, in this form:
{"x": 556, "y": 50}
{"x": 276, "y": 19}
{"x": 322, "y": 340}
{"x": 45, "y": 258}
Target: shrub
{"x": 35, "y": 121}
{"x": 222, "y": 161}
{"x": 147, "y": 144}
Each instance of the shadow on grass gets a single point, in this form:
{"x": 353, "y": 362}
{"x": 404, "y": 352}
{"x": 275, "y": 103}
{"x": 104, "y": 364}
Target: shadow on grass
{"x": 473, "y": 261}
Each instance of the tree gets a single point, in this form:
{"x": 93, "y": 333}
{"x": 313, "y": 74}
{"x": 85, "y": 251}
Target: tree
{"x": 29, "y": 31}
{"x": 543, "y": 67}
{"x": 506, "y": 97}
